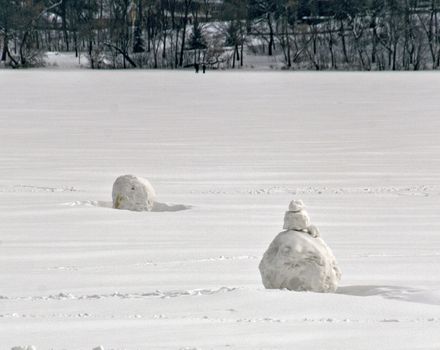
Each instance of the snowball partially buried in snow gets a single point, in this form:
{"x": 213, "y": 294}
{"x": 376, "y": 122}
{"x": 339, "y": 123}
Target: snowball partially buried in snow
{"x": 133, "y": 193}
{"x": 297, "y": 261}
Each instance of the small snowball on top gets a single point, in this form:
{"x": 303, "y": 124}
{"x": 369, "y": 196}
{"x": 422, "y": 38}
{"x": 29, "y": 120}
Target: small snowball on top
{"x": 296, "y": 218}
{"x": 296, "y": 205}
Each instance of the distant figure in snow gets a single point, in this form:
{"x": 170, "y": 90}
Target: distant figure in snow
{"x": 298, "y": 259}
{"x": 196, "y": 67}
{"x": 133, "y": 193}
{"x": 204, "y": 68}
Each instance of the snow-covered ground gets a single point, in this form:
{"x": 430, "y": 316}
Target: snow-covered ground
{"x": 65, "y": 60}
{"x": 362, "y": 150}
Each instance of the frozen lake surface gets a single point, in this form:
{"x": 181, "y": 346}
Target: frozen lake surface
{"x": 362, "y": 150}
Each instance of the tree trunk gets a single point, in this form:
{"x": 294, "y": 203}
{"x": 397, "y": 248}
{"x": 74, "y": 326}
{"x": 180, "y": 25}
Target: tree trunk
{"x": 436, "y": 34}
{"x": 64, "y": 24}
{"x": 241, "y": 53}
{"x": 330, "y": 47}
{"x": 271, "y": 35}
{"x": 182, "y": 44}
{"x": 344, "y": 44}
{"x": 185, "y": 22}
{"x": 164, "y": 47}
{"x": 289, "y": 59}
{"x": 13, "y": 60}
{"x": 5, "y": 47}
{"x": 394, "y": 55}
{"x": 75, "y": 42}
{"x": 176, "y": 51}
{"x": 92, "y": 62}
{"x": 21, "y": 49}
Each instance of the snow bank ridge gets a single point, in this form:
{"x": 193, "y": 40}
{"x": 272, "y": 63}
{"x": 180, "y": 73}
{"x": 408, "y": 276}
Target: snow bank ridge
{"x": 35, "y": 189}
{"x": 157, "y": 294}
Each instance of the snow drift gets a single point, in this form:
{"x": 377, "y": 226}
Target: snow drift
{"x": 298, "y": 259}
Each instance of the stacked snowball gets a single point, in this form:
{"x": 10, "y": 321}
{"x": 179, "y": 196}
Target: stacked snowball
{"x": 298, "y": 259}
{"x": 133, "y": 193}
{"x": 296, "y": 218}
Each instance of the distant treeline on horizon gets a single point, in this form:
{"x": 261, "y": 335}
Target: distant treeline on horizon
{"x": 224, "y": 34}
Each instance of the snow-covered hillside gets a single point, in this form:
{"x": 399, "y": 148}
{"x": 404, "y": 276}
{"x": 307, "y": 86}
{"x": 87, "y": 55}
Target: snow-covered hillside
{"x": 361, "y": 149}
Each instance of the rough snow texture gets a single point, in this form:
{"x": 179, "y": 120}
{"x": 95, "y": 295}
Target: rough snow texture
{"x": 133, "y": 193}
{"x": 299, "y": 260}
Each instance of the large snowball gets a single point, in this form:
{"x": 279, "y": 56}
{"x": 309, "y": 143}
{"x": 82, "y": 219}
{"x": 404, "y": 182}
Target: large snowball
{"x": 297, "y": 261}
{"x": 133, "y": 193}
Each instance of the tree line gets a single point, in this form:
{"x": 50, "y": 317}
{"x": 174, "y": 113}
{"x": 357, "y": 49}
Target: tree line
{"x": 301, "y": 34}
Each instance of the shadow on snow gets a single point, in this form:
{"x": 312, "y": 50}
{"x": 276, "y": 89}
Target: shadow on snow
{"x": 414, "y": 295}
{"x": 158, "y": 206}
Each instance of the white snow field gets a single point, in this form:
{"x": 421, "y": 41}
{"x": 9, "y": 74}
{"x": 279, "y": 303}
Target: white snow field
{"x": 362, "y": 150}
